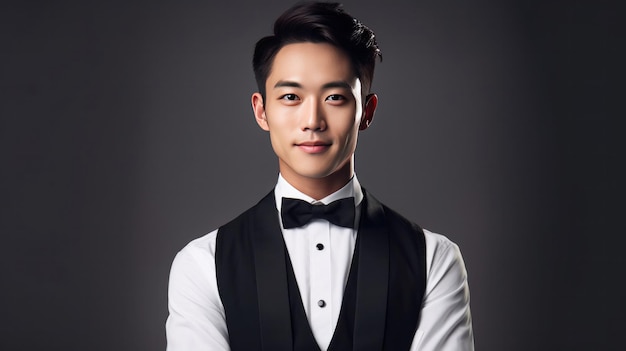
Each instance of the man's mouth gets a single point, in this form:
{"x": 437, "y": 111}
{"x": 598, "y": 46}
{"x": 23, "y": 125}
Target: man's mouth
{"x": 313, "y": 147}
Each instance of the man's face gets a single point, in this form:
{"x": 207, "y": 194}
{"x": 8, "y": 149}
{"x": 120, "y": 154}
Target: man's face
{"x": 313, "y": 111}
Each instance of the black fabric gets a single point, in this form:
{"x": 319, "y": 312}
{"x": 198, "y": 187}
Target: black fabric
{"x": 372, "y": 279}
{"x": 407, "y": 281}
{"x": 382, "y": 299}
{"x": 252, "y": 279}
{"x": 296, "y": 213}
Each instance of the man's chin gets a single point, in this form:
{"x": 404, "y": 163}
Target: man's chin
{"x": 315, "y": 174}
{"x": 316, "y": 170}
{"x": 310, "y": 172}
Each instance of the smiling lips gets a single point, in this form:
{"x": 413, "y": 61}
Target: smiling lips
{"x": 313, "y": 147}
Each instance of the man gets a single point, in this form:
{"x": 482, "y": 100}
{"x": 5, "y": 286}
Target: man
{"x": 318, "y": 264}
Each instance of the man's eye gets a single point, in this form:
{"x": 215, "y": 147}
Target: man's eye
{"x": 290, "y": 97}
{"x": 335, "y": 97}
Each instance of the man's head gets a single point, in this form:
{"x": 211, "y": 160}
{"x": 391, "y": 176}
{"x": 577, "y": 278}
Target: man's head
{"x": 314, "y": 78}
{"x": 319, "y": 22}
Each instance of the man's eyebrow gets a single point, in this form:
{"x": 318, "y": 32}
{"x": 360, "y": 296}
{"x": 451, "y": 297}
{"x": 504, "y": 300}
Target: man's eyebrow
{"x": 287, "y": 83}
{"x": 336, "y": 84}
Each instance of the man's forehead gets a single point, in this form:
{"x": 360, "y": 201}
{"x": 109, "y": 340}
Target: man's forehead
{"x": 322, "y": 63}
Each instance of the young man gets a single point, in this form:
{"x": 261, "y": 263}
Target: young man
{"x": 318, "y": 264}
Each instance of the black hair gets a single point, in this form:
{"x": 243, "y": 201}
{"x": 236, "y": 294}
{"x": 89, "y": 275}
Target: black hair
{"x": 319, "y": 22}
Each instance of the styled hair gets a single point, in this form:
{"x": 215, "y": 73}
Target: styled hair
{"x": 319, "y": 22}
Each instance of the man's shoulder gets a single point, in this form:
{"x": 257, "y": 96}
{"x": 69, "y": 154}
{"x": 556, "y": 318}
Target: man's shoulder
{"x": 241, "y": 218}
{"x": 393, "y": 217}
{"x": 200, "y": 246}
{"x": 205, "y": 244}
{"x": 432, "y": 239}
{"x": 438, "y": 240}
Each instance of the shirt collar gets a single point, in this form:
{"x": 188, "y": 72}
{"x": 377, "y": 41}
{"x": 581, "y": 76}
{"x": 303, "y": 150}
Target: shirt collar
{"x": 284, "y": 189}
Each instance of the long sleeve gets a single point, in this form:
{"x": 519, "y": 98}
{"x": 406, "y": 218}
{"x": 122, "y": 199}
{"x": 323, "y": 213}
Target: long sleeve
{"x": 196, "y": 315}
{"x": 445, "y": 322}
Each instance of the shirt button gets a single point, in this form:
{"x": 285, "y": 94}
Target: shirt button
{"x": 320, "y": 247}
{"x": 321, "y": 303}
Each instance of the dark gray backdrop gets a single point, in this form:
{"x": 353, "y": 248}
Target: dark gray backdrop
{"x": 126, "y": 131}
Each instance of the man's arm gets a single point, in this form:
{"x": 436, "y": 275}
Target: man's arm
{"x": 196, "y": 316}
{"x": 445, "y": 321}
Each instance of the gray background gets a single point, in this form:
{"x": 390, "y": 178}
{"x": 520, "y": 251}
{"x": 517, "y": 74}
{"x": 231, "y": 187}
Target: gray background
{"x": 126, "y": 132}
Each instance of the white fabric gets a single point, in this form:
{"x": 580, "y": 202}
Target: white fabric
{"x": 197, "y": 321}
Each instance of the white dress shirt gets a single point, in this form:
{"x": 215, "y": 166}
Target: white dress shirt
{"x": 320, "y": 254}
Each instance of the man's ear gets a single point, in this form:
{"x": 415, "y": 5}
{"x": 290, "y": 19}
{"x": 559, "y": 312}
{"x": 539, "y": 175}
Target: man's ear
{"x": 371, "y": 101}
{"x": 259, "y": 111}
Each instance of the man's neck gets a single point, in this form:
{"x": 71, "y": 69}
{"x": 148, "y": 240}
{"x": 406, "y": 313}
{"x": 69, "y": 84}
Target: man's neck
{"x": 319, "y": 188}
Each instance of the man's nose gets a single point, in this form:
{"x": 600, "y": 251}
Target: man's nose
{"x": 314, "y": 118}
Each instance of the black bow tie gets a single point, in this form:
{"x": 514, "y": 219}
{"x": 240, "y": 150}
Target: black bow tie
{"x": 296, "y": 213}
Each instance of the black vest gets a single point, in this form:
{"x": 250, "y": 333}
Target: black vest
{"x": 381, "y": 303}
